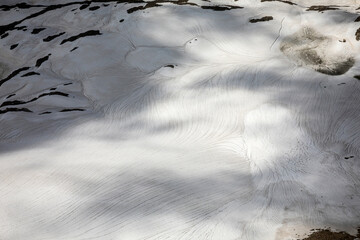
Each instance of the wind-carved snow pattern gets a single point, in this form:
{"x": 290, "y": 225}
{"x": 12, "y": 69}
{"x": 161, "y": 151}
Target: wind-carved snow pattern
{"x": 180, "y": 119}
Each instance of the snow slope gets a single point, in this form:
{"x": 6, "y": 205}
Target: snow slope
{"x": 179, "y": 119}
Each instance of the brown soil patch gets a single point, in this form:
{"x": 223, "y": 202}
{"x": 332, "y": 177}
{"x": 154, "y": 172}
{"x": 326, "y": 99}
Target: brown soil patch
{"x": 308, "y": 48}
{"x": 327, "y": 234}
{"x": 357, "y": 35}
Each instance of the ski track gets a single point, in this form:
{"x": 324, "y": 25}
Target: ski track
{"x": 178, "y": 119}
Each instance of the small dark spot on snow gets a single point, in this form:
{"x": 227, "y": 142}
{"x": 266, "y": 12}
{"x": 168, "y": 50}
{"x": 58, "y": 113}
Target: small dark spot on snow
{"x": 47, "y": 112}
{"x": 52, "y": 37}
{"x": 37, "y": 30}
{"x": 41, "y": 60}
{"x": 4, "y": 35}
{"x": 11, "y": 95}
{"x": 263, "y": 19}
{"x": 94, "y": 8}
{"x": 13, "y": 46}
{"x": 30, "y": 74}
{"x": 321, "y": 8}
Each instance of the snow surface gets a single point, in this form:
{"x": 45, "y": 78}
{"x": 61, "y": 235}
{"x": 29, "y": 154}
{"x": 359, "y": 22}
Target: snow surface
{"x": 179, "y": 122}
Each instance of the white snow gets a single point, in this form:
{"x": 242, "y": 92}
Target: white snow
{"x": 195, "y": 124}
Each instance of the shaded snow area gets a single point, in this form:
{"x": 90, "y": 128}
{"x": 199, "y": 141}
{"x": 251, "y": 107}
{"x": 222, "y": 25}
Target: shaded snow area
{"x": 179, "y": 119}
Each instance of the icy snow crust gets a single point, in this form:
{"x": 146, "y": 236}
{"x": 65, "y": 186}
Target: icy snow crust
{"x": 179, "y": 120}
